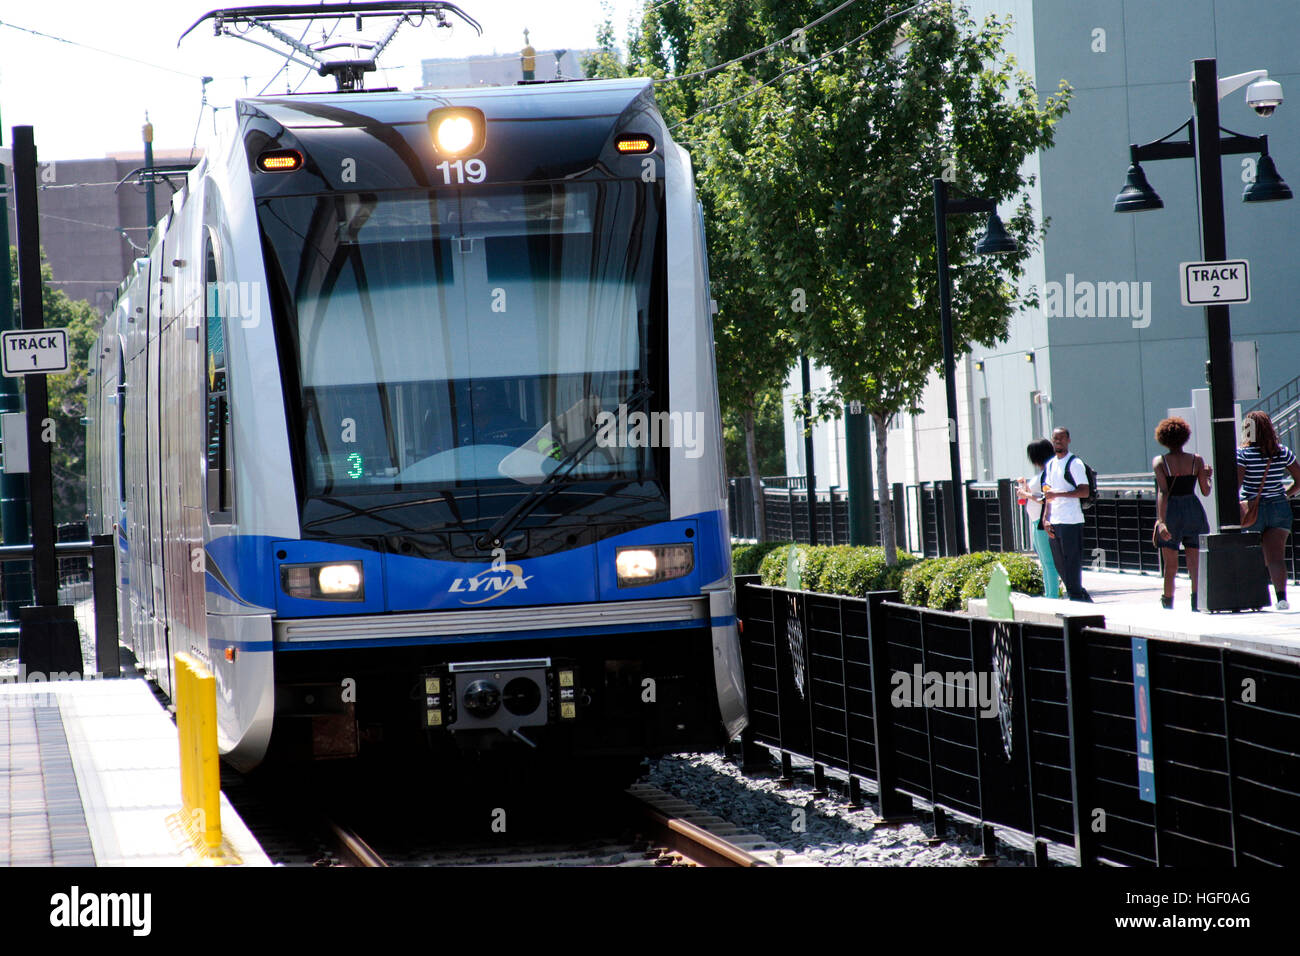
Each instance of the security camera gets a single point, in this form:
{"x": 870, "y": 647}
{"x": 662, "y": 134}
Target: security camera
{"x": 1264, "y": 96}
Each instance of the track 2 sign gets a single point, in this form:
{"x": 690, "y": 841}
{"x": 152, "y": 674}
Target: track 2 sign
{"x": 1215, "y": 283}
{"x": 34, "y": 351}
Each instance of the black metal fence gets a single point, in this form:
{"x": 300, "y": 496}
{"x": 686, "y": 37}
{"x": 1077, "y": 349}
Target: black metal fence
{"x": 1034, "y": 727}
{"x": 87, "y": 569}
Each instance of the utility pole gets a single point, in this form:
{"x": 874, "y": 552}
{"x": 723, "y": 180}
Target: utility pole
{"x": 48, "y": 640}
{"x": 150, "y": 212}
{"x": 13, "y": 488}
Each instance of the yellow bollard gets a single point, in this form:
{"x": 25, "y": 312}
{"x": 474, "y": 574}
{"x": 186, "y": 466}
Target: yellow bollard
{"x": 196, "y": 728}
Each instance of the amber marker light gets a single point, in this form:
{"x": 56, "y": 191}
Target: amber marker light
{"x": 634, "y": 144}
{"x": 280, "y": 161}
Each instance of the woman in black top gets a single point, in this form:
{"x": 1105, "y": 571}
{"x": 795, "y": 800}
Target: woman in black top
{"x": 1262, "y": 464}
{"x": 1179, "y": 514}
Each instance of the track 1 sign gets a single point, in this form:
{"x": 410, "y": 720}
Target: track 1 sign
{"x": 1215, "y": 283}
{"x": 34, "y": 351}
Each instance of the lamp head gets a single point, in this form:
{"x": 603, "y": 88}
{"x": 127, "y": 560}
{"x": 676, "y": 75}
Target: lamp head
{"x": 995, "y": 238}
{"x": 1268, "y": 185}
{"x": 1137, "y": 194}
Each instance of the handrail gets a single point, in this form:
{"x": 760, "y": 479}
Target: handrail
{"x": 62, "y": 549}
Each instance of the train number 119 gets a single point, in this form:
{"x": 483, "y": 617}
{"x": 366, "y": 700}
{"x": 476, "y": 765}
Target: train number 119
{"x": 474, "y": 171}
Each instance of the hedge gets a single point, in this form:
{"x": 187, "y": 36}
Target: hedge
{"x": 943, "y": 584}
{"x": 745, "y": 558}
{"x": 1022, "y": 569}
{"x": 838, "y": 569}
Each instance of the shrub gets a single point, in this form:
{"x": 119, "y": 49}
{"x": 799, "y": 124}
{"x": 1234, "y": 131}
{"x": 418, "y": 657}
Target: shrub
{"x": 852, "y": 571}
{"x": 771, "y": 569}
{"x": 834, "y": 569}
{"x": 945, "y": 590}
{"x": 815, "y": 563}
{"x": 892, "y": 578}
{"x": 745, "y": 558}
{"x": 1022, "y": 570}
{"x": 918, "y": 579}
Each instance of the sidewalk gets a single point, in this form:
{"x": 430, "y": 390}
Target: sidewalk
{"x": 1130, "y": 602}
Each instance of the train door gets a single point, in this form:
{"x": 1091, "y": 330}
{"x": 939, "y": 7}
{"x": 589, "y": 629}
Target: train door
{"x": 145, "y": 486}
{"x": 158, "y": 527}
{"x": 136, "y": 513}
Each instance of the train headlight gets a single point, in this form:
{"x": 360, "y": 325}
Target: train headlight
{"x": 640, "y": 566}
{"x": 456, "y": 131}
{"x": 338, "y": 581}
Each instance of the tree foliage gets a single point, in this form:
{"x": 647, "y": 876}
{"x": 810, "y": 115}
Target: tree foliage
{"x": 815, "y": 162}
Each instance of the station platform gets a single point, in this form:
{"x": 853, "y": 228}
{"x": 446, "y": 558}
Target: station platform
{"x": 90, "y": 773}
{"x": 1130, "y": 603}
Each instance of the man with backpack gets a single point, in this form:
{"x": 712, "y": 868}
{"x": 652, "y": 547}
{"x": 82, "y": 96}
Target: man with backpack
{"x": 1066, "y": 484}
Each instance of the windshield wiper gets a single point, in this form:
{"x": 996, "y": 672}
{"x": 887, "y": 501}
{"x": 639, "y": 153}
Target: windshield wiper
{"x": 496, "y": 535}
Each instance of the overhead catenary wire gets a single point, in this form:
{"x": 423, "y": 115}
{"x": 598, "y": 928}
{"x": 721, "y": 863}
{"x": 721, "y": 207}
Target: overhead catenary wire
{"x": 86, "y": 46}
{"x": 800, "y": 31}
{"x": 798, "y": 68}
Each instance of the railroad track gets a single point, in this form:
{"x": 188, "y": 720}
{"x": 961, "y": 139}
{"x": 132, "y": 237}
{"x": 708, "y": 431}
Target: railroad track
{"x": 667, "y": 832}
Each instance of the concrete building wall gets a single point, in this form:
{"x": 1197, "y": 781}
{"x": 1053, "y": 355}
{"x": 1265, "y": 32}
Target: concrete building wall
{"x": 500, "y": 70}
{"x": 81, "y": 215}
{"x": 1111, "y": 378}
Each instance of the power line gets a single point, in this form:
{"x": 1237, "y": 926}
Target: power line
{"x": 801, "y": 66}
{"x": 86, "y": 46}
{"x": 771, "y": 46}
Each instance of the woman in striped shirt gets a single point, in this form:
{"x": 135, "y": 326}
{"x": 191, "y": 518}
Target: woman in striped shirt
{"x": 1263, "y": 460}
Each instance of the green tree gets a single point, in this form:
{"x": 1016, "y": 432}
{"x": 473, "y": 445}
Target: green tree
{"x": 753, "y": 348}
{"x": 67, "y": 392}
{"x": 834, "y": 188}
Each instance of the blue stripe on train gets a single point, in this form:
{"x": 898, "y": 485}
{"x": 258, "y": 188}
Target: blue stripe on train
{"x": 394, "y": 583}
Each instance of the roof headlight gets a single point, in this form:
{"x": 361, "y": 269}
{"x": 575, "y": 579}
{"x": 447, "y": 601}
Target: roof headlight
{"x": 456, "y": 131}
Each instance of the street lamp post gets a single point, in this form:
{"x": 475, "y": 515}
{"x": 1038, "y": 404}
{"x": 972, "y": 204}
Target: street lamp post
{"x": 1230, "y": 558}
{"x": 995, "y": 240}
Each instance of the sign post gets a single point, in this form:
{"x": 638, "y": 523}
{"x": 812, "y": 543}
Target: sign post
{"x": 48, "y": 640}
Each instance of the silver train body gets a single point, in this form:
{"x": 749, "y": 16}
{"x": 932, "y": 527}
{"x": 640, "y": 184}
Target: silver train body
{"x": 408, "y": 444}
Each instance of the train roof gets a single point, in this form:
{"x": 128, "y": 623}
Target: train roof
{"x": 570, "y": 100}
{"x": 380, "y": 140}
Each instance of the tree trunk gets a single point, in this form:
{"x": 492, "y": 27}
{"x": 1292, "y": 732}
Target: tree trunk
{"x": 756, "y": 485}
{"x": 882, "y": 489}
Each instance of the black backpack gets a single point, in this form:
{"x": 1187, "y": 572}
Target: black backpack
{"x": 1084, "y": 503}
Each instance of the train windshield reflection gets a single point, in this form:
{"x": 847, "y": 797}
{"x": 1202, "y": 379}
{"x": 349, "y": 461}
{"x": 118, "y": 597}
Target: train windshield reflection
{"x": 457, "y": 337}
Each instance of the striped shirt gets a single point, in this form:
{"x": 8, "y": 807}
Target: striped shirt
{"x": 1254, "y": 462}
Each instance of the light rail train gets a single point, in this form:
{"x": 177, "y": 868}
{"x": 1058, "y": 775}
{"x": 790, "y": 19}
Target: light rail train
{"x": 408, "y": 427}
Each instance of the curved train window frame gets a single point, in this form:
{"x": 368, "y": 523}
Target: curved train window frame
{"x": 218, "y": 460}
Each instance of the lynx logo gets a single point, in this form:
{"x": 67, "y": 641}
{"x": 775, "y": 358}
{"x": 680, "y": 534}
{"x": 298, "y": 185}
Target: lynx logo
{"x": 102, "y": 909}
{"x": 494, "y": 581}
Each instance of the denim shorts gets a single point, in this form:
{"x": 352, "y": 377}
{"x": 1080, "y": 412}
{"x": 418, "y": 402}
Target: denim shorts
{"x": 1273, "y": 513}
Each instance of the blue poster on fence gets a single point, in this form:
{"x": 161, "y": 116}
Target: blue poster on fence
{"x": 1142, "y": 708}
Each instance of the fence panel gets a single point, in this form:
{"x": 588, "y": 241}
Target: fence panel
{"x": 1034, "y": 726}
{"x": 1263, "y": 716}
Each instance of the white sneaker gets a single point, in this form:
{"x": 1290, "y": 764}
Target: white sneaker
{"x": 1282, "y": 605}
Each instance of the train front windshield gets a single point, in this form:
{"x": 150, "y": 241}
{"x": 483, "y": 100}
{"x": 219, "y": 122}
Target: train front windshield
{"x": 458, "y": 337}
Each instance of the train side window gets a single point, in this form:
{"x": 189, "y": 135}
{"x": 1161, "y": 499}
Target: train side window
{"x": 121, "y": 421}
{"x": 220, "y": 470}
